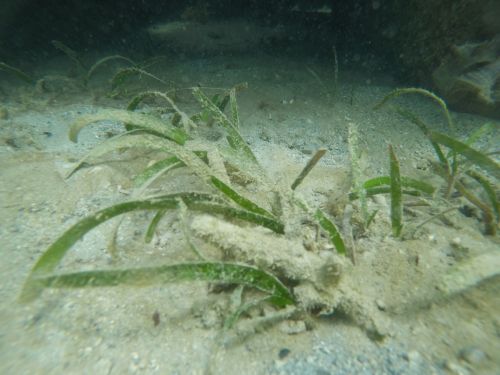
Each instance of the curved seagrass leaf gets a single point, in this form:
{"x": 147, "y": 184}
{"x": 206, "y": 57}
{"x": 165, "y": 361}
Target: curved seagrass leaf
{"x": 384, "y": 190}
{"x": 424, "y": 128}
{"x": 235, "y": 117}
{"x": 152, "y": 226}
{"x": 235, "y": 139}
{"x": 236, "y": 213}
{"x": 332, "y": 230}
{"x": 396, "y": 195}
{"x": 205, "y": 271}
{"x": 169, "y": 163}
{"x": 16, "y": 72}
{"x": 406, "y": 182}
{"x": 105, "y": 60}
{"x": 412, "y": 90}
{"x": 490, "y": 191}
{"x": 482, "y": 132}
{"x": 308, "y": 168}
{"x": 71, "y": 54}
{"x": 478, "y": 158}
{"x": 180, "y": 116}
{"x": 132, "y": 121}
{"x": 51, "y": 258}
{"x": 152, "y": 61}
{"x": 122, "y": 75}
{"x": 130, "y": 139}
{"x": 136, "y": 100}
{"x": 357, "y": 184}
{"x": 239, "y": 199}
{"x": 115, "y": 143}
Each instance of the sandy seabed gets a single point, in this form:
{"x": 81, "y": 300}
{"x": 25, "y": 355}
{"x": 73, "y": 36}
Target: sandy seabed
{"x": 401, "y": 309}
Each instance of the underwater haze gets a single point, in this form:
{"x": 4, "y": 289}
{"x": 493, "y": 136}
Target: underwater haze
{"x": 253, "y": 187}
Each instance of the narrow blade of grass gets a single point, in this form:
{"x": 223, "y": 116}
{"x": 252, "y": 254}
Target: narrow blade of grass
{"x": 136, "y": 100}
{"x": 309, "y": 166}
{"x": 354, "y": 152}
{"x": 72, "y": 55}
{"x": 489, "y": 189}
{"x": 204, "y": 271}
{"x": 234, "y": 138}
{"x": 239, "y": 199}
{"x": 51, "y": 258}
{"x": 234, "y": 316}
{"x": 179, "y": 116}
{"x": 169, "y": 163}
{"x": 417, "y": 121}
{"x": 150, "y": 232}
{"x": 235, "y": 117}
{"x": 406, "y": 182}
{"x": 396, "y": 196}
{"x": 370, "y": 219}
{"x": 398, "y": 92}
{"x": 332, "y": 231}
{"x": 131, "y": 139}
{"x": 132, "y": 121}
{"x": 477, "y": 157}
{"x": 125, "y": 140}
{"x": 122, "y": 75}
{"x": 235, "y": 213}
{"x": 16, "y": 72}
{"x": 384, "y": 190}
{"x": 104, "y": 60}
{"x": 477, "y": 134}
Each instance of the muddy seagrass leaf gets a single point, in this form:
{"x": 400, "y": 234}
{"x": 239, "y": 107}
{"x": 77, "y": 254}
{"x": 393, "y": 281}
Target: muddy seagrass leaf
{"x": 234, "y": 138}
{"x": 477, "y": 157}
{"x": 132, "y": 121}
{"x": 332, "y": 231}
{"x": 104, "y": 60}
{"x": 204, "y": 271}
{"x": 406, "y": 182}
{"x": 411, "y": 90}
{"x": 396, "y": 195}
{"x": 16, "y": 72}
{"x": 207, "y": 203}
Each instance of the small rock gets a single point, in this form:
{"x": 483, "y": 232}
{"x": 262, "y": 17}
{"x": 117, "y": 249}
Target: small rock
{"x": 412, "y": 356}
{"x": 454, "y": 368}
{"x": 380, "y": 304}
{"x": 283, "y": 353}
{"x": 293, "y": 327}
{"x": 135, "y": 358}
{"x": 472, "y": 355}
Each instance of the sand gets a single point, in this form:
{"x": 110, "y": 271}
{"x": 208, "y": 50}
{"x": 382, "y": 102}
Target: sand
{"x": 425, "y": 304}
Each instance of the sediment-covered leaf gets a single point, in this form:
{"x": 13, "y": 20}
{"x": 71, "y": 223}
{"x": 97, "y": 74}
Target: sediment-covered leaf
{"x": 132, "y": 121}
{"x": 205, "y": 271}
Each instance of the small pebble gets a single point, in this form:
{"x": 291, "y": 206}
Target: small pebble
{"x": 293, "y": 327}
{"x": 156, "y": 318}
{"x": 472, "y": 355}
{"x": 380, "y": 304}
{"x": 412, "y": 356}
{"x": 454, "y": 368}
{"x": 135, "y": 358}
{"x": 283, "y": 353}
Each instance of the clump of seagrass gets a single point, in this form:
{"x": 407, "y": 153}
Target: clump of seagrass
{"x": 120, "y": 77}
{"x": 394, "y": 184}
{"x": 462, "y": 166}
{"x": 272, "y": 275}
